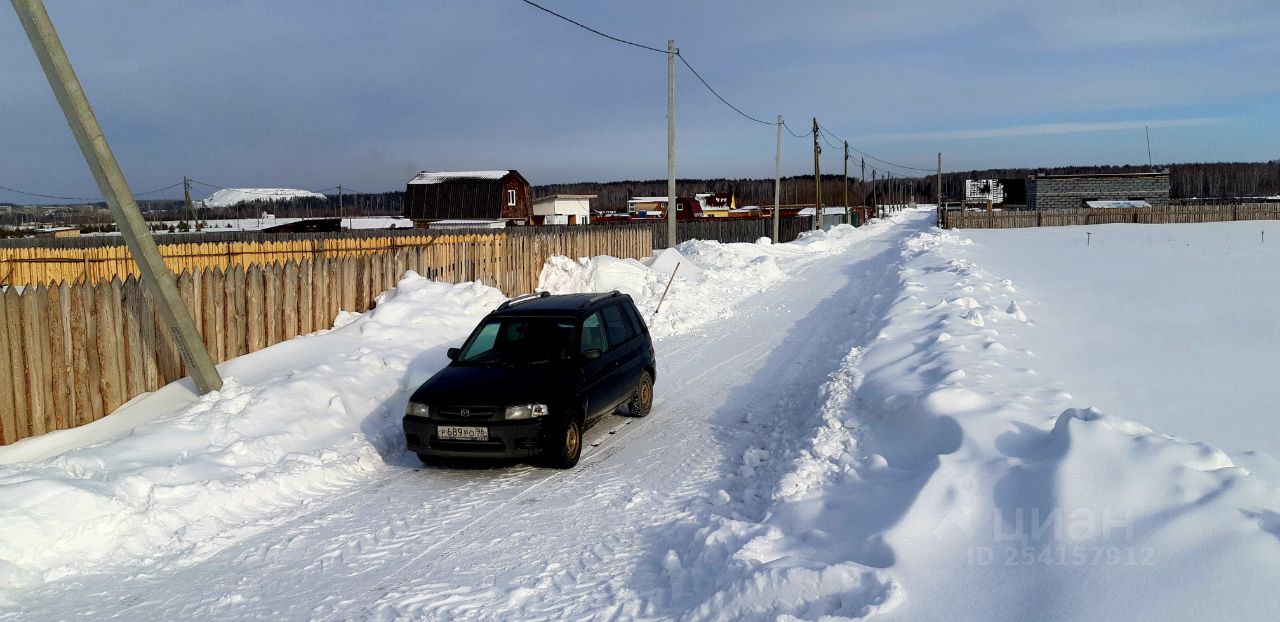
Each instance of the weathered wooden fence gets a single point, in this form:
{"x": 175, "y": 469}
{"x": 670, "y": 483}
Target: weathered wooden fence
{"x": 75, "y": 260}
{"x": 731, "y": 230}
{"x": 981, "y": 219}
{"x": 71, "y": 353}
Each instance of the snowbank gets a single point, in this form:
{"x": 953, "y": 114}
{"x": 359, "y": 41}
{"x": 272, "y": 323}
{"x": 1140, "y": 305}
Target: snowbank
{"x": 188, "y": 477}
{"x": 711, "y": 276}
{"x": 944, "y": 478}
{"x": 227, "y": 197}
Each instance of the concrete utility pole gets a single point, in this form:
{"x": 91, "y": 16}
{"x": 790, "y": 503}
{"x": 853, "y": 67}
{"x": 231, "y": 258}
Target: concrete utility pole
{"x": 340, "y": 214}
{"x": 777, "y": 182}
{"x": 848, "y": 220}
{"x": 157, "y": 280}
{"x": 671, "y": 144}
{"x": 817, "y": 178}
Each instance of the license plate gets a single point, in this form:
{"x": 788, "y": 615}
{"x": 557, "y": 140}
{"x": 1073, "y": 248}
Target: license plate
{"x": 462, "y": 433}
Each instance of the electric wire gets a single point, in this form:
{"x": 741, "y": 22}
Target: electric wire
{"x": 718, "y": 96}
{"x": 586, "y": 27}
{"x": 62, "y": 198}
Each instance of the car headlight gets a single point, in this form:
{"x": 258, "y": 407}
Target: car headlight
{"x": 526, "y": 411}
{"x": 417, "y": 410}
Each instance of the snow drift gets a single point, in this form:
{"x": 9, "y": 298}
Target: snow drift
{"x": 709, "y": 276}
{"x": 179, "y": 482}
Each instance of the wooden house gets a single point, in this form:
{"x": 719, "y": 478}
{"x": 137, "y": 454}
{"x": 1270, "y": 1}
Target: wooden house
{"x": 468, "y": 195}
{"x": 563, "y": 209}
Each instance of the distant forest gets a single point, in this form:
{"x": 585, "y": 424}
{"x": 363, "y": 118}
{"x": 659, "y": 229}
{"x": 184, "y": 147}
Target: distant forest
{"x": 1224, "y": 180}
{"x": 1220, "y": 180}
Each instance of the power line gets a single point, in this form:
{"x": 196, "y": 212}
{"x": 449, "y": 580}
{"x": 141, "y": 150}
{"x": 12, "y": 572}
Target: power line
{"x": 716, "y": 93}
{"x": 912, "y": 168}
{"x": 792, "y": 132}
{"x": 47, "y": 196}
{"x": 143, "y": 194}
{"x": 713, "y": 92}
{"x": 98, "y": 200}
{"x": 584, "y": 26}
{"x": 646, "y": 47}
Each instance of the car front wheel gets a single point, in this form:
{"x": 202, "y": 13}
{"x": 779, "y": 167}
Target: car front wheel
{"x": 565, "y": 445}
{"x": 642, "y": 400}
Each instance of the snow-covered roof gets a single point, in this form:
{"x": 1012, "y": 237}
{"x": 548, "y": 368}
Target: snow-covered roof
{"x": 232, "y": 196}
{"x": 467, "y": 224}
{"x": 438, "y": 177}
{"x": 647, "y": 200}
{"x": 1117, "y": 204}
{"x": 808, "y": 211}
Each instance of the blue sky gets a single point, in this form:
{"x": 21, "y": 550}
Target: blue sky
{"x": 313, "y": 94}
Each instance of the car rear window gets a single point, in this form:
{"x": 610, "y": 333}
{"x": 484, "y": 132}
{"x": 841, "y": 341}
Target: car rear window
{"x": 616, "y": 325}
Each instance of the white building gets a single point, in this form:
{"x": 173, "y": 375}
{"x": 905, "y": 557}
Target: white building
{"x": 563, "y": 209}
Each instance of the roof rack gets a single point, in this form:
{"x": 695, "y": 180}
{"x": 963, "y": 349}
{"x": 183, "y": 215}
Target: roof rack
{"x": 598, "y": 297}
{"x": 525, "y": 298}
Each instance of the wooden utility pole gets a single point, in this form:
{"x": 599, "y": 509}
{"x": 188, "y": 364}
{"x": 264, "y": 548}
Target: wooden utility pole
{"x": 862, "y": 183}
{"x": 848, "y": 219}
{"x": 341, "y": 215}
{"x": 939, "y": 216}
{"x": 817, "y": 178}
{"x": 672, "y": 206}
{"x": 777, "y": 183}
{"x": 157, "y": 280}
{"x": 875, "y": 201}
{"x": 186, "y": 201}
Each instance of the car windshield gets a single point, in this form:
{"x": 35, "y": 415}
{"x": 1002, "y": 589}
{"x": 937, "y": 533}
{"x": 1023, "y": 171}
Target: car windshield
{"x": 518, "y": 341}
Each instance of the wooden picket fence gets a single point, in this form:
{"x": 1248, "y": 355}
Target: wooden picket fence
{"x": 91, "y": 259}
{"x": 981, "y": 219}
{"x": 732, "y": 229}
{"x": 71, "y": 353}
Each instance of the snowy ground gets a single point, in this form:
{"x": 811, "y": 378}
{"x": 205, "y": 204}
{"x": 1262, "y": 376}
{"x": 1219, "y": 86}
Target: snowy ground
{"x": 851, "y": 425}
{"x": 1176, "y": 326}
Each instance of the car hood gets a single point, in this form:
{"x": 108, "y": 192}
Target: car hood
{"x": 495, "y": 386}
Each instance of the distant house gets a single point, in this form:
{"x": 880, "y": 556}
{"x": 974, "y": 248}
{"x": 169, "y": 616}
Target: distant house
{"x": 1075, "y": 191}
{"x": 687, "y": 208}
{"x": 468, "y": 195}
{"x": 716, "y": 204}
{"x": 58, "y": 232}
{"x": 563, "y": 209}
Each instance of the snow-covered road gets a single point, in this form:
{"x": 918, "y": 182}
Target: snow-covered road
{"x": 621, "y": 536}
{"x": 855, "y": 424}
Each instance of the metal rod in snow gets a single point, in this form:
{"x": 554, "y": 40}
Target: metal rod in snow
{"x": 664, "y": 290}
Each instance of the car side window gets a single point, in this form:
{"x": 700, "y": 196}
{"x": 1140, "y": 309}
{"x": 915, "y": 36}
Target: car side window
{"x": 593, "y": 337}
{"x": 483, "y": 342}
{"x": 616, "y": 325}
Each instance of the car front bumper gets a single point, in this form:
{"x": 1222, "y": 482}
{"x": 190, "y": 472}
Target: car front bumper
{"x": 507, "y": 439}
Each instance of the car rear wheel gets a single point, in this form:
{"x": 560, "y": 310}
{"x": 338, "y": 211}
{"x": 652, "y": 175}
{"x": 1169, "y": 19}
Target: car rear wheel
{"x": 642, "y": 400}
{"x": 565, "y": 445}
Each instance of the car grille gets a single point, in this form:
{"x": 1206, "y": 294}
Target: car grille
{"x": 466, "y": 413}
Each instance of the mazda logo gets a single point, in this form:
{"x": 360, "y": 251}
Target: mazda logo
{"x": 465, "y": 412}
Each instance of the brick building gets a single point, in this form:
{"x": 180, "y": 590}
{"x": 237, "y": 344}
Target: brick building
{"x": 1072, "y": 191}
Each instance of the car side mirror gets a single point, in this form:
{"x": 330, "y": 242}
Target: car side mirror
{"x": 591, "y": 354}
{"x": 453, "y": 353}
